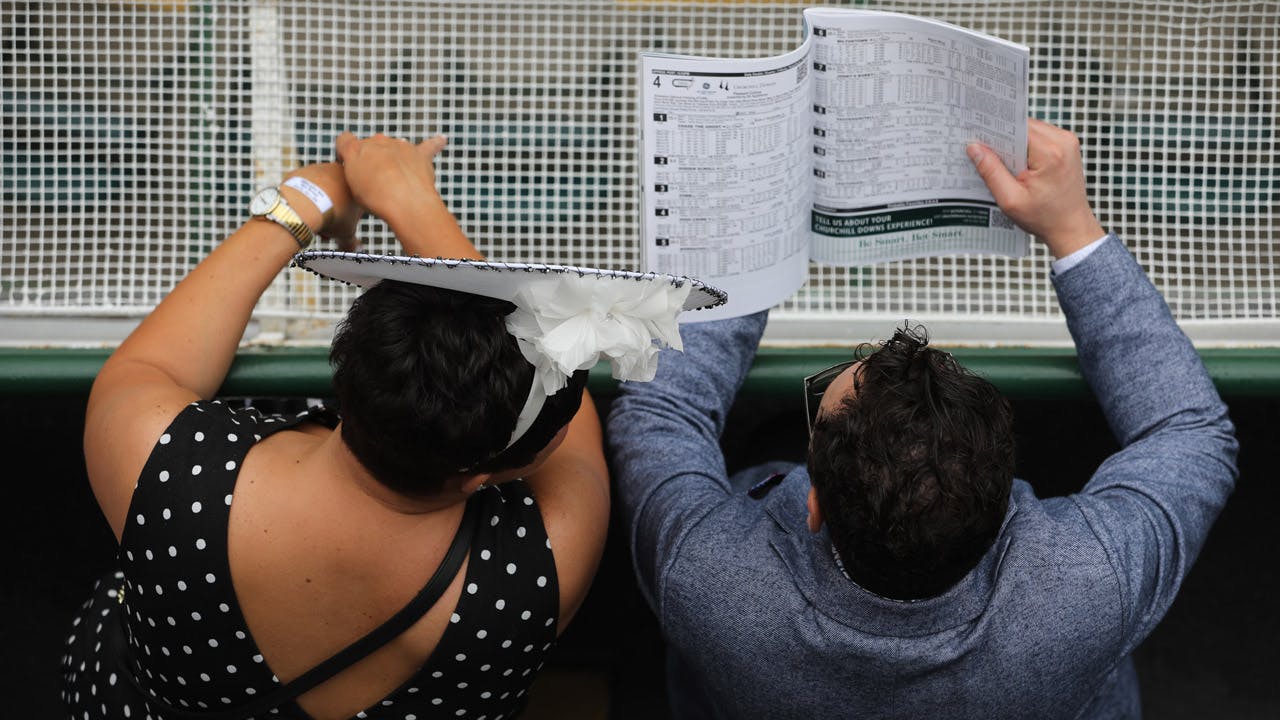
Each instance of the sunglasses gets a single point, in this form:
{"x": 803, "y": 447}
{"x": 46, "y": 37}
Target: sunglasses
{"x": 815, "y": 386}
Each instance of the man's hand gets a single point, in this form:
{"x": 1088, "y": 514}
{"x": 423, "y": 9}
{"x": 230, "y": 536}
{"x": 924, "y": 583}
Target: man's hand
{"x": 1048, "y": 198}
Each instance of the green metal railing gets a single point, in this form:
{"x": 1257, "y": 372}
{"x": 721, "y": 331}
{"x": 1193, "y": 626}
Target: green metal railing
{"x": 304, "y": 371}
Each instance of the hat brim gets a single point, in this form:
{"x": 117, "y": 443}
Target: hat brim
{"x": 501, "y": 280}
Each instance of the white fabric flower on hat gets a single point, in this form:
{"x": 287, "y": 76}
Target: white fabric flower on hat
{"x": 570, "y": 322}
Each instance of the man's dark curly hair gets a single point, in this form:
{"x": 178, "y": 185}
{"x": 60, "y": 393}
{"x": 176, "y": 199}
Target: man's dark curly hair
{"x": 913, "y": 472}
{"x": 430, "y": 382}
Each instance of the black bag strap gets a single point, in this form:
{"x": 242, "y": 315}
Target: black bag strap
{"x": 353, "y": 653}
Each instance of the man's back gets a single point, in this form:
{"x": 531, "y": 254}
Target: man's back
{"x": 765, "y": 623}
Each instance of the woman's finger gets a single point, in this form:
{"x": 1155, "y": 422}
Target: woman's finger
{"x": 345, "y": 144}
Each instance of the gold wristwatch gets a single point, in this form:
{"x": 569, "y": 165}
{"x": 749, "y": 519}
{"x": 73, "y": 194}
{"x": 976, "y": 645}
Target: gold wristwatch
{"x": 269, "y": 204}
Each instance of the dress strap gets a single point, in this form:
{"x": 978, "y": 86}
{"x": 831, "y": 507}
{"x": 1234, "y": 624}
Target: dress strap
{"x": 396, "y": 625}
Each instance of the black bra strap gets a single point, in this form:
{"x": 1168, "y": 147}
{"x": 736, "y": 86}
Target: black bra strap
{"x": 353, "y": 653}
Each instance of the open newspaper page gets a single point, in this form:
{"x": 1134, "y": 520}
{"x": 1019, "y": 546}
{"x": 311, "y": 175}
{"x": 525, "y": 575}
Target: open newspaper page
{"x": 896, "y": 100}
{"x": 727, "y": 172}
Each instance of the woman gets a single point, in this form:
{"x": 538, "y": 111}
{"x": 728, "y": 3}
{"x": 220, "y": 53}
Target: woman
{"x": 254, "y": 550}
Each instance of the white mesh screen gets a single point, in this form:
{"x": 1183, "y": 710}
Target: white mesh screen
{"x": 134, "y": 134}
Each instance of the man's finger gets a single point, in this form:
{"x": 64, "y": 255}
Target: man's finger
{"x": 1002, "y": 184}
{"x": 1041, "y": 138}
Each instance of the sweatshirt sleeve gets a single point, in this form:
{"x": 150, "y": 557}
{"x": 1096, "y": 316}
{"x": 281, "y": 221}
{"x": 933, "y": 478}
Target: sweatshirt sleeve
{"x": 664, "y": 441}
{"x": 1152, "y": 503}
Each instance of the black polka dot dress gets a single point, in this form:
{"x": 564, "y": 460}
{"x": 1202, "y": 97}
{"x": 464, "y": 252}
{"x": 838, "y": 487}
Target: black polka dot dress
{"x": 165, "y": 634}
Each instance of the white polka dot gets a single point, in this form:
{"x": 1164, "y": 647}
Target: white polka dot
{"x": 199, "y": 436}
{"x": 171, "y": 621}
{"x": 548, "y": 622}
{"x": 231, "y": 465}
{"x": 164, "y": 439}
{"x": 164, "y": 476}
{"x": 500, "y": 603}
{"x": 231, "y": 437}
{"x": 485, "y": 667}
{"x": 240, "y": 635}
{"x": 484, "y": 554}
{"x": 195, "y": 616}
{"x": 520, "y": 531}
{"x": 460, "y": 657}
{"x": 471, "y": 589}
{"x": 149, "y": 555}
{"x": 200, "y": 543}
{"x": 455, "y": 618}
{"x": 528, "y": 647}
{"x": 511, "y": 568}
{"x": 195, "y": 469}
{"x": 481, "y": 634}
{"x": 128, "y": 554}
{"x": 437, "y": 674}
{"x": 528, "y": 501}
{"x": 486, "y": 695}
{"x": 227, "y": 499}
{"x": 250, "y": 691}
{"x": 213, "y": 642}
{"x": 182, "y": 585}
{"x": 493, "y": 520}
{"x": 210, "y": 578}
{"x": 112, "y": 679}
{"x": 542, "y": 581}
{"x": 462, "y": 686}
{"x": 204, "y": 677}
{"x": 548, "y": 543}
{"x": 196, "y": 506}
{"x": 461, "y": 712}
{"x": 257, "y": 658}
{"x": 410, "y": 716}
{"x": 141, "y": 520}
{"x": 436, "y": 701}
{"x": 186, "y": 649}
{"x": 526, "y": 615}
{"x": 224, "y": 607}
{"x": 231, "y": 669}
{"x": 173, "y": 551}
{"x": 506, "y": 644}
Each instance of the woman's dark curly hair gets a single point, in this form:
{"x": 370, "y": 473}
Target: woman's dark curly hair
{"x": 430, "y": 382}
{"x": 913, "y": 472}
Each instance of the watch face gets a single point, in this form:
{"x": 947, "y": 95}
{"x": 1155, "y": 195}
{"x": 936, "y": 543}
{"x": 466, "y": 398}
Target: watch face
{"x": 263, "y": 201}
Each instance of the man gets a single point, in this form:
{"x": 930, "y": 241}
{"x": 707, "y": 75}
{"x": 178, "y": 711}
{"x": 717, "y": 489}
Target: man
{"x": 905, "y": 573}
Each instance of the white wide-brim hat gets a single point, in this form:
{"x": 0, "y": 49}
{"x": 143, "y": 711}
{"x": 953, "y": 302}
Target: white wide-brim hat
{"x": 502, "y": 280}
{"x": 566, "y": 318}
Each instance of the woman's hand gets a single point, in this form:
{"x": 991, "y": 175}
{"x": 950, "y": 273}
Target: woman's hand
{"x": 341, "y": 220}
{"x": 396, "y": 180}
{"x": 388, "y": 174}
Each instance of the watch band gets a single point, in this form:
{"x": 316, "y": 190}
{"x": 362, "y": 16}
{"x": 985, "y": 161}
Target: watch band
{"x": 270, "y": 204}
{"x": 285, "y": 216}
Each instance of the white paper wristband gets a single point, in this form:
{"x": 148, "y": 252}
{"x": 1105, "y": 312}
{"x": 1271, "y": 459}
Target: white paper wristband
{"x": 314, "y": 193}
